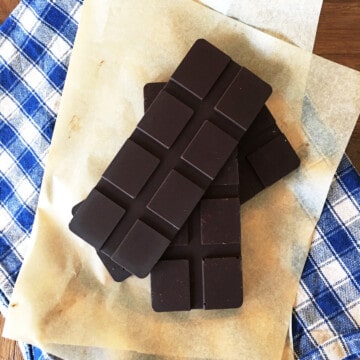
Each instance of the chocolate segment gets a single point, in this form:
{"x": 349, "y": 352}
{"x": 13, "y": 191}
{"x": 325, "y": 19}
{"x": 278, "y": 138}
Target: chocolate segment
{"x": 209, "y": 149}
{"x": 265, "y": 156}
{"x": 169, "y": 205}
{"x": 217, "y": 215}
{"x": 166, "y": 119}
{"x": 170, "y": 284}
{"x": 144, "y": 237}
{"x": 136, "y": 166}
{"x": 273, "y": 160}
{"x": 222, "y": 283}
{"x": 240, "y": 102}
{"x": 200, "y": 69}
{"x": 143, "y": 176}
{"x": 98, "y": 216}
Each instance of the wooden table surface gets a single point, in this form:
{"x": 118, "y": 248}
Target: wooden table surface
{"x": 338, "y": 39}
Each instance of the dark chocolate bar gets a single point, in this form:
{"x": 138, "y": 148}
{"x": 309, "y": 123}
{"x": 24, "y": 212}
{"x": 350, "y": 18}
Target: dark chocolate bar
{"x": 162, "y": 171}
{"x": 262, "y": 135}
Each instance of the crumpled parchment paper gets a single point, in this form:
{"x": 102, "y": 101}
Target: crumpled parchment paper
{"x": 65, "y": 296}
{"x": 290, "y": 20}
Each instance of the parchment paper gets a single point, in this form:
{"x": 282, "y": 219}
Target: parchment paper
{"x": 290, "y": 20}
{"x": 65, "y": 296}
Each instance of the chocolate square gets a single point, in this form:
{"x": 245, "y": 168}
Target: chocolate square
{"x": 222, "y": 281}
{"x": 175, "y": 199}
{"x": 220, "y": 221}
{"x": 96, "y": 218}
{"x": 170, "y": 286}
{"x": 131, "y": 168}
{"x": 209, "y": 149}
{"x": 167, "y": 110}
{"x": 149, "y": 241}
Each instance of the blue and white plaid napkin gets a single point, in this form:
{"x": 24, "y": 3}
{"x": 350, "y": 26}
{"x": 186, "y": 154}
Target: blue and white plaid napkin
{"x": 35, "y": 46}
{"x": 326, "y": 317}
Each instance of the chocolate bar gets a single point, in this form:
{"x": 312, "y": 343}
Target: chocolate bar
{"x": 225, "y": 185}
{"x": 262, "y": 134}
{"x": 162, "y": 171}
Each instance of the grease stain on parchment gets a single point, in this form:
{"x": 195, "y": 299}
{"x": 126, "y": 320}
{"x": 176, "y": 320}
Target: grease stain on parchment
{"x": 74, "y": 125}
{"x": 318, "y": 132}
{"x": 98, "y": 67}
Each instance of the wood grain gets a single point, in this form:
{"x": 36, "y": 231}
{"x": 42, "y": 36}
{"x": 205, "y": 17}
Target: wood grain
{"x": 6, "y": 6}
{"x": 9, "y": 350}
{"x": 338, "y": 39}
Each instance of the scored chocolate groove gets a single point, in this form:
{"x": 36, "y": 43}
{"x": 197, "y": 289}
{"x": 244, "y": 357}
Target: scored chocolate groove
{"x": 155, "y": 195}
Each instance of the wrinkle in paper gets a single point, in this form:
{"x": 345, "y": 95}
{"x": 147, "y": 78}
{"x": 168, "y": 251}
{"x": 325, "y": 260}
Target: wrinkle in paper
{"x": 65, "y": 296}
{"x": 290, "y": 20}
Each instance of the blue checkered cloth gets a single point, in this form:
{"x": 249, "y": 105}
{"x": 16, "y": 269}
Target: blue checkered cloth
{"x": 326, "y": 317}
{"x": 35, "y": 46}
